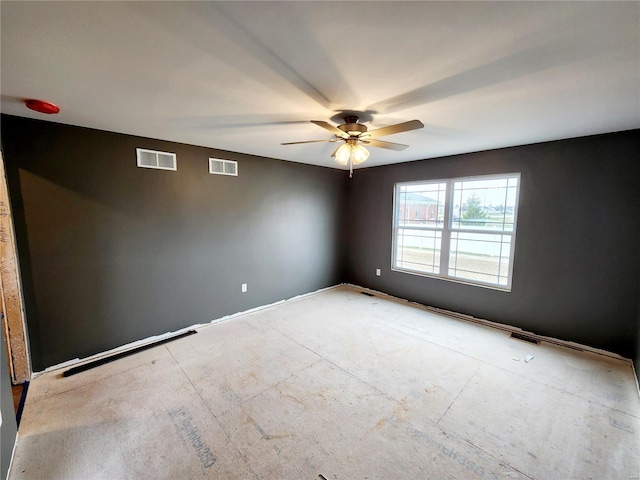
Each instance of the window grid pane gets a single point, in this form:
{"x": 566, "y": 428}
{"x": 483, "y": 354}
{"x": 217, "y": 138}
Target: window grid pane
{"x": 418, "y": 250}
{"x": 486, "y": 204}
{"x": 480, "y": 256}
{"x": 422, "y": 205}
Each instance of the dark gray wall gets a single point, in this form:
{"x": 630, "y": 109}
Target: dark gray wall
{"x": 9, "y": 429}
{"x": 112, "y": 253}
{"x": 577, "y": 263}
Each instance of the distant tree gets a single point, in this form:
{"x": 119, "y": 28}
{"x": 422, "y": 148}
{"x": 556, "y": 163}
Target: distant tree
{"x": 472, "y": 210}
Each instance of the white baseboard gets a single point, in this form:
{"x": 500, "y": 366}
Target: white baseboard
{"x": 13, "y": 452}
{"x": 499, "y": 326}
{"x": 156, "y": 338}
{"x": 460, "y": 316}
{"x": 510, "y": 329}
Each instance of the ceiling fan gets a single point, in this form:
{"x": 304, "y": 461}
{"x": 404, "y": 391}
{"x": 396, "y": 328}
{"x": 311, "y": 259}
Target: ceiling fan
{"x": 355, "y": 135}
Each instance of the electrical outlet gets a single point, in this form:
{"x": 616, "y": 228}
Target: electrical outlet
{"x": 244, "y": 288}
{"x": 377, "y": 272}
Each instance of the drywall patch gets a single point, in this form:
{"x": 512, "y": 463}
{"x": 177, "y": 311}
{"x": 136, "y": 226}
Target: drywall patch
{"x": 189, "y": 434}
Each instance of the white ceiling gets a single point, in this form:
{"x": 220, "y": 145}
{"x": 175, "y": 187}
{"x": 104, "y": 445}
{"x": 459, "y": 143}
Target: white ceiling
{"x": 246, "y": 76}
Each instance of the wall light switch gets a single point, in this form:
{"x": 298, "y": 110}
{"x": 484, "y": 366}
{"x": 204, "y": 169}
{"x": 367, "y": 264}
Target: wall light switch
{"x": 244, "y": 288}
{"x": 377, "y": 272}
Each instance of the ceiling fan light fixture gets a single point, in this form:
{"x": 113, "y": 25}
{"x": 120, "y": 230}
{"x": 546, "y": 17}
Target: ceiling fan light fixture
{"x": 360, "y": 154}
{"x": 351, "y": 151}
{"x": 343, "y": 153}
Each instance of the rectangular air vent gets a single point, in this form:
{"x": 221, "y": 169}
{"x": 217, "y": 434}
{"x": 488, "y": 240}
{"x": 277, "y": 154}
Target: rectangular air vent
{"x": 154, "y": 159}
{"x": 525, "y": 338}
{"x": 223, "y": 167}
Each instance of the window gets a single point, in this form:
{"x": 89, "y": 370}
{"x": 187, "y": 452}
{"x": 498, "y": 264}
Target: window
{"x": 153, "y": 159}
{"x": 460, "y": 229}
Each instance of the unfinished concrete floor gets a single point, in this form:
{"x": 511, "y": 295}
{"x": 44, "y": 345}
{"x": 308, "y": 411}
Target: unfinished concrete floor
{"x": 342, "y": 385}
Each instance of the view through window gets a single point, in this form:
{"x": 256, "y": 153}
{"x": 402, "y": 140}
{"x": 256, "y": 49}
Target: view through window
{"x": 459, "y": 228}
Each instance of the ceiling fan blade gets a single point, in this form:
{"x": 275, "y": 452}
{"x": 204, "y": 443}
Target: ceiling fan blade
{"x": 397, "y": 128}
{"x": 310, "y": 141}
{"x": 388, "y": 145}
{"x": 331, "y": 128}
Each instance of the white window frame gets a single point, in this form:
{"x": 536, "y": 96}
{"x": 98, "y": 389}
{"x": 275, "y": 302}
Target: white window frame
{"x": 447, "y": 229}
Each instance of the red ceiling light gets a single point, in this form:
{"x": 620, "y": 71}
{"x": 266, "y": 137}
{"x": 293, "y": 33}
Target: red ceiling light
{"x": 41, "y": 106}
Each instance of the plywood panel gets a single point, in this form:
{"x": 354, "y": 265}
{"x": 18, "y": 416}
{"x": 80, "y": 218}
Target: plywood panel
{"x": 13, "y": 320}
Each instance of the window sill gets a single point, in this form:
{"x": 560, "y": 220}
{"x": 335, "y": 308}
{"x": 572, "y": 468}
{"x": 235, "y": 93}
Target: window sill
{"x": 506, "y": 288}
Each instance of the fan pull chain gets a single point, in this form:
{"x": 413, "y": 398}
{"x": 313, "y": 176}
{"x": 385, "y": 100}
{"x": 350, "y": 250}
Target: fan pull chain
{"x": 350, "y": 166}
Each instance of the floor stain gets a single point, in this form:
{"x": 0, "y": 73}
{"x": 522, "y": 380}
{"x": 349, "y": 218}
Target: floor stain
{"x": 262, "y": 433}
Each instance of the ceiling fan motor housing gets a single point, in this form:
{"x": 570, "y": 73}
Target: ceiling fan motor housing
{"x": 352, "y": 127}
